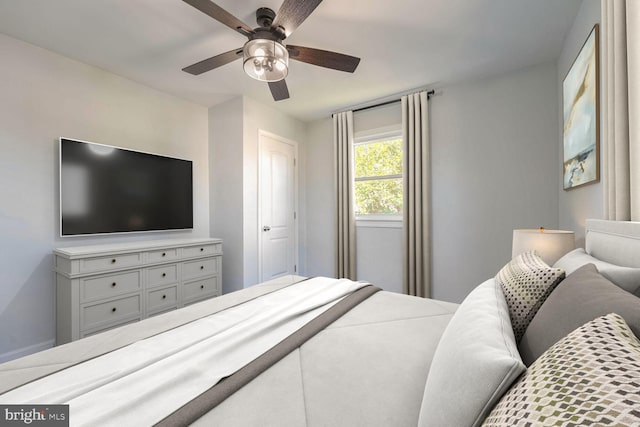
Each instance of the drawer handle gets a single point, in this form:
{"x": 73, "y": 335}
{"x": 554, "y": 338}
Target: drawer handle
{"x": 164, "y": 297}
{"x": 113, "y": 310}
{"x": 201, "y": 286}
{"x": 113, "y": 285}
{"x": 113, "y": 261}
{"x": 202, "y": 267}
{"x": 164, "y": 254}
{"x": 164, "y": 274}
{"x": 201, "y": 249}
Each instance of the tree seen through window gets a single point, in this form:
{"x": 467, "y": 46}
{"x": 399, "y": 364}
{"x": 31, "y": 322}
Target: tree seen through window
{"x": 378, "y": 177}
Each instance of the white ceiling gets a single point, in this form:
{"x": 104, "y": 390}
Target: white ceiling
{"x": 404, "y": 44}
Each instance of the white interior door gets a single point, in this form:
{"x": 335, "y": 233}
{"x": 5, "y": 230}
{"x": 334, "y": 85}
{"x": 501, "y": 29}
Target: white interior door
{"x": 278, "y": 254}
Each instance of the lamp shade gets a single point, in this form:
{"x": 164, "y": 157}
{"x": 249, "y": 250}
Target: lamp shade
{"x": 550, "y": 245}
{"x": 265, "y": 60}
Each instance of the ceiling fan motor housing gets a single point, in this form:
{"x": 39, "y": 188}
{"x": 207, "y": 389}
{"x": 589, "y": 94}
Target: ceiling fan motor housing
{"x": 264, "y": 33}
{"x": 265, "y": 17}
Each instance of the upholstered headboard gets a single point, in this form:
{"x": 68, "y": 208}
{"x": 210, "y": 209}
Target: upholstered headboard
{"x": 616, "y": 242}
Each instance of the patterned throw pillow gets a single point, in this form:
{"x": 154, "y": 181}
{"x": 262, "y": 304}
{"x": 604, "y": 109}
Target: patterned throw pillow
{"x": 526, "y": 282}
{"x": 590, "y": 377}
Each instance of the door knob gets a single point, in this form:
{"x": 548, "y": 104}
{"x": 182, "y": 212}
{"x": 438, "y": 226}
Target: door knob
{"x": 266, "y": 228}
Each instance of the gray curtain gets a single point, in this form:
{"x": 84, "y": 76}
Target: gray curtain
{"x": 345, "y": 216}
{"x": 417, "y": 199}
{"x": 620, "y": 108}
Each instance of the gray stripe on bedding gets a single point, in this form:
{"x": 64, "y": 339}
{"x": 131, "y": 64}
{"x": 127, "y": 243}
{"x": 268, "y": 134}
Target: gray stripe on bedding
{"x": 208, "y": 400}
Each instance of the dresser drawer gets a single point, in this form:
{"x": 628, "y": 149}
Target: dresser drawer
{"x": 90, "y": 265}
{"x": 162, "y": 298}
{"x": 110, "y": 312}
{"x": 200, "y": 268}
{"x": 162, "y": 275}
{"x": 162, "y": 255}
{"x": 204, "y": 250}
{"x": 200, "y": 289}
{"x": 109, "y": 286}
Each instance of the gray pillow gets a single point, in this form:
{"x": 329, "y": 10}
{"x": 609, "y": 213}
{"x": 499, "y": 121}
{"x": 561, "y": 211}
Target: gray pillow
{"x": 475, "y": 362}
{"x": 628, "y": 278}
{"x": 581, "y": 297}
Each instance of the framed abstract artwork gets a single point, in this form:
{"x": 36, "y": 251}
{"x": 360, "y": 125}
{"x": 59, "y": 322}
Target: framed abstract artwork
{"x": 581, "y": 112}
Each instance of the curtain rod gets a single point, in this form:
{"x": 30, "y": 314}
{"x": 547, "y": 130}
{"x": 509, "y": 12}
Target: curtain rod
{"x": 381, "y": 104}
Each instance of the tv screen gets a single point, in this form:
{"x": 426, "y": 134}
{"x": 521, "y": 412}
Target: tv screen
{"x": 105, "y": 189}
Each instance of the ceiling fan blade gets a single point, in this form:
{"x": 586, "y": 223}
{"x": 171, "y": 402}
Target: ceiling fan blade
{"x": 292, "y": 13}
{"x": 221, "y": 15}
{"x": 213, "y": 62}
{"x": 324, "y": 58}
{"x": 279, "y": 90}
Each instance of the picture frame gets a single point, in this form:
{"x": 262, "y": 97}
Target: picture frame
{"x": 581, "y": 116}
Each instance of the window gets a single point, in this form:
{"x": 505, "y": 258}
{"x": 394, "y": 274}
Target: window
{"x": 378, "y": 176}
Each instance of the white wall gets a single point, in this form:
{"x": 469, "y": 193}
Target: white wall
{"x": 226, "y": 178}
{"x": 379, "y": 256}
{"x": 320, "y": 200}
{"x": 233, "y": 139}
{"x": 577, "y": 205}
{"x": 45, "y": 96}
{"x": 377, "y": 117}
{"x": 494, "y": 169}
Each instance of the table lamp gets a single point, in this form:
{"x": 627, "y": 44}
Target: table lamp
{"x": 550, "y": 245}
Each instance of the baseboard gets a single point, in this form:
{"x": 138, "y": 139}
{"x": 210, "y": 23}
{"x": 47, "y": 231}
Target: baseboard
{"x": 24, "y": 351}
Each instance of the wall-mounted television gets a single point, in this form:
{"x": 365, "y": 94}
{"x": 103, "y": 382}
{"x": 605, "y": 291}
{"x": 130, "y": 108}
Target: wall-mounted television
{"x": 106, "y": 189}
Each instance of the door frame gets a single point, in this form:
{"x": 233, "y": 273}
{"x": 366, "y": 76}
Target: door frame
{"x": 296, "y": 258}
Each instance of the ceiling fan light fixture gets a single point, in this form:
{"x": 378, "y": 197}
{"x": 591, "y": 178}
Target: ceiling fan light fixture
{"x": 265, "y": 60}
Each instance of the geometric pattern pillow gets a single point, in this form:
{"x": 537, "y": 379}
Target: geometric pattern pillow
{"x": 590, "y": 377}
{"x": 526, "y": 282}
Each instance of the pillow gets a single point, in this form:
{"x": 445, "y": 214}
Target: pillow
{"x": 590, "y": 377}
{"x": 474, "y": 364}
{"x": 581, "y": 297}
{"x": 628, "y": 278}
{"x": 526, "y": 282}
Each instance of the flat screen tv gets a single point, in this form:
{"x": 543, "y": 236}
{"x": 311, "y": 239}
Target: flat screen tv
{"x": 105, "y": 189}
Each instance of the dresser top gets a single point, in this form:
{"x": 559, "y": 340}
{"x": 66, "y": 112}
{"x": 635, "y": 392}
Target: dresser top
{"x": 96, "y": 250}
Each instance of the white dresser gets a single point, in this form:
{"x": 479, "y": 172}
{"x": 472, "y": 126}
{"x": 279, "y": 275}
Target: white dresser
{"x": 104, "y": 286}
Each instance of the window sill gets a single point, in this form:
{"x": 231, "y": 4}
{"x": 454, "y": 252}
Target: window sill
{"x": 379, "y": 221}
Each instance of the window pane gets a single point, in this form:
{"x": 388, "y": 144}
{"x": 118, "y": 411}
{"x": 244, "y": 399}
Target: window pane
{"x": 380, "y": 196}
{"x": 379, "y": 158}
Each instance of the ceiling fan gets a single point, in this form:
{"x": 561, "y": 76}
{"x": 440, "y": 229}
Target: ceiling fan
{"x": 265, "y": 57}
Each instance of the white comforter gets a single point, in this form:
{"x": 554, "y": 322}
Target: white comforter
{"x": 151, "y": 378}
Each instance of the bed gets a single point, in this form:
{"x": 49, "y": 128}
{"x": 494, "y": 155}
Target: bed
{"x": 347, "y": 354}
